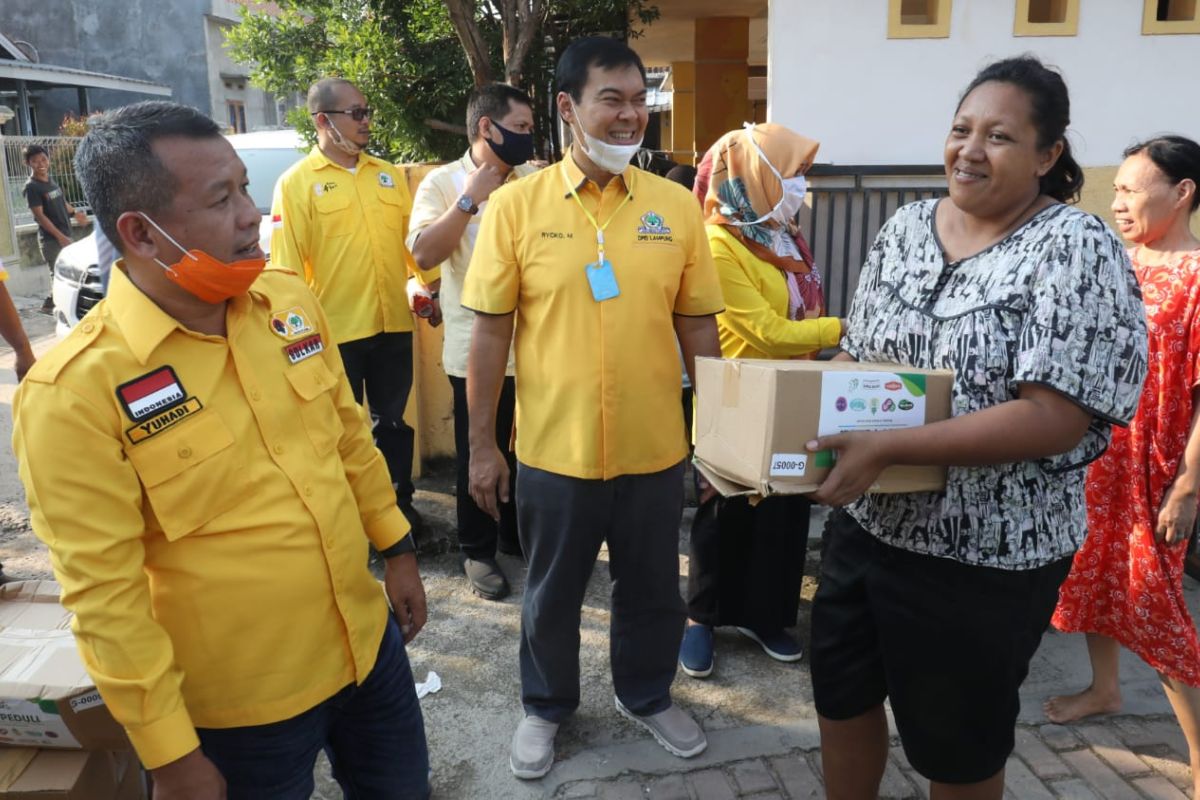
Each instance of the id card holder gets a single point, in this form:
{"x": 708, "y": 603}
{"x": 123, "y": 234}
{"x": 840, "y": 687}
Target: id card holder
{"x": 603, "y": 280}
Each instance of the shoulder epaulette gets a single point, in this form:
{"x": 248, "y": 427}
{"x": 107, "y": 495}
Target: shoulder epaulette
{"x": 48, "y": 367}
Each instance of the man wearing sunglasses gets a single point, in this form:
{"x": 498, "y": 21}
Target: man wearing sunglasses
{"x": 340, "y": 218}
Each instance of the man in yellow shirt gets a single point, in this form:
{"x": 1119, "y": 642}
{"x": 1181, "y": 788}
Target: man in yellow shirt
{"x": 195, "y": 460}
{"x": 445, "y": 224}
{"x": 340, "y": 217}
{"x": 605, "y": 267}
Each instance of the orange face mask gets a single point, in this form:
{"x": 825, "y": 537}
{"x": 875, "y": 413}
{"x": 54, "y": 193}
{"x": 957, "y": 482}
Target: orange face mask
{"x": 208, "y": 278}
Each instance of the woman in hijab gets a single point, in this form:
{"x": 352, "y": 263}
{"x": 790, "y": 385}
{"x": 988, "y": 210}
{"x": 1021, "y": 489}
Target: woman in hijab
{"x": 746, "y": 562}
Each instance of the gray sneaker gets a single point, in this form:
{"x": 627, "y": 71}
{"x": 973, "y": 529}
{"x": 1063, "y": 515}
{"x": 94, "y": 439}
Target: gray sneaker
{"x": 673, "y": 728}
{"x": 532, "y": 748}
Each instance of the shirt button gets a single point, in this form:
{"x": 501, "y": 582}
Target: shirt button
{"x": 255, "y": 394}
{"x": 278, "y": 449}
{"x": 308, "y": 491}
{"x": 185, "y": 452}
{"x": 88, "y": 327}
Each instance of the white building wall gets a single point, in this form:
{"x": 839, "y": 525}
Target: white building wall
{"x": 834, "y": 75}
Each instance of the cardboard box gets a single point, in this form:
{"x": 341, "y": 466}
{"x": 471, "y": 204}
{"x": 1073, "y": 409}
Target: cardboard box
{"x": 47, "y": 698}
{"x": 754, "y": 418}
{"x": 34, "y": 774}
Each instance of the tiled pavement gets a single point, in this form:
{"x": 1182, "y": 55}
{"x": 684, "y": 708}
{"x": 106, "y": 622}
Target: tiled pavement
{"x": 1122, "y": 758}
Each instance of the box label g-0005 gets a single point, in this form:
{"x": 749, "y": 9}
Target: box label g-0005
{"x": 785, "y": 464}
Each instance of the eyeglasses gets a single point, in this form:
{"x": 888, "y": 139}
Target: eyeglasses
{"x": 357, "y": 114}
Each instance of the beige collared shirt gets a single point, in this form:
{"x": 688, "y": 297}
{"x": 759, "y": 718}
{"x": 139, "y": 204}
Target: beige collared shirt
{"x": 439, "y": 190}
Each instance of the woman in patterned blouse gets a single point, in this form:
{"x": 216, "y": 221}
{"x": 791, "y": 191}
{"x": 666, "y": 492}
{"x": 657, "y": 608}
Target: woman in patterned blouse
{"x": 937, "y": 601}
{"x": 1126, "y": 585}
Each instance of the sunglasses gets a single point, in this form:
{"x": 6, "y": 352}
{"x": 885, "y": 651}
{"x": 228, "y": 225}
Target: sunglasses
{"x": 357, "y": 114}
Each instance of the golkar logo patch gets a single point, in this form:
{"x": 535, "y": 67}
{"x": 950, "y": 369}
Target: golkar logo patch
{"x": 305, "y": 348}
{"x": 160, "y": 422}
{"x": 151, "y": 393}
{"x": 386, "y": 181}
{"x": 653, "y": 229}
{"x": 290, "y": 324}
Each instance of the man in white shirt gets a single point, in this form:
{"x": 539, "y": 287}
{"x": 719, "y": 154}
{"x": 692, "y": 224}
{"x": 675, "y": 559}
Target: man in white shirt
{"x": 446, "y": 213}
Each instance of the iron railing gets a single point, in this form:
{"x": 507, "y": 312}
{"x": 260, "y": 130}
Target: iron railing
{"x": 848, "y": 206}
{"x": 61, "y": 150}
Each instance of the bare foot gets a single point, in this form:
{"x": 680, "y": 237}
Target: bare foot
{"x": 1071, "y": 707}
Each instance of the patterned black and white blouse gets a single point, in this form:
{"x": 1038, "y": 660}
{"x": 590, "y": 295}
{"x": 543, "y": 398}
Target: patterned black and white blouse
{"x": 1055, "y": 303}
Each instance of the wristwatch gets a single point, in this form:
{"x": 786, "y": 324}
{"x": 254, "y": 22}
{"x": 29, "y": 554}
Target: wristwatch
{"x": 465, "y": 203}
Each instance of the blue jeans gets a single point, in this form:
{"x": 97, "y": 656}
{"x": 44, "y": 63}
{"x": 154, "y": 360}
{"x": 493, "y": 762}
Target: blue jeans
{"x": 373, "y": 734}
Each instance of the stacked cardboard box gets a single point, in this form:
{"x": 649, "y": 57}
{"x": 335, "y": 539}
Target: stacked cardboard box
{"x": 57, "y": 737}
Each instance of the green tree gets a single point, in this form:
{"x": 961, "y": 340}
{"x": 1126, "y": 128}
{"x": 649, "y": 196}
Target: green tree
{"x": 408, "y": 64}
{"x": 416, "y": 60}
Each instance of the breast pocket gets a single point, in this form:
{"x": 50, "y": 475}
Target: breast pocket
{"x": 313, "y": 383}
{"x": 191, "y": 473}
{"x": 333, "y": 209}
{"x": 394, "y": 206}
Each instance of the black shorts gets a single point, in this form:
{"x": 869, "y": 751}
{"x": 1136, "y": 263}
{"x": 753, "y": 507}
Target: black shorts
{"x": 947, "y": 642}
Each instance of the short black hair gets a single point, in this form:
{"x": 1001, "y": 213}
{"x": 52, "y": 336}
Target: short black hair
{"x": 581, "y": 55}
{"x": 321, "y": 94}
{"x": 1177, "y": 157}
{"x": 117, "y": 167}
{"x": 32, "y": 150}
{"x": 493, "y": 101}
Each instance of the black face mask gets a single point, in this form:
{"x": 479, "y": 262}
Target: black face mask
{"x": 516, "y": 149}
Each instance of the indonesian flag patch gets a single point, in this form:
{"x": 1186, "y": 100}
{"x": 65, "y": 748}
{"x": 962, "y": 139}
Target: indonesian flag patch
{"x": 305, "y": 348}
{"x": 153, "y": 392}
{"x": 277, "y": 221}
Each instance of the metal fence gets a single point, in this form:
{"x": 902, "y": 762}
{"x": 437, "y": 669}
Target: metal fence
{"x": 62, "y": 171}
{"x": 849, "y": 204}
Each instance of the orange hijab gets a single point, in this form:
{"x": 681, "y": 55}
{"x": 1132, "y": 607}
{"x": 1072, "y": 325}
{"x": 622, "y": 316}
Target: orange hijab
{"x": 735, "y": 183}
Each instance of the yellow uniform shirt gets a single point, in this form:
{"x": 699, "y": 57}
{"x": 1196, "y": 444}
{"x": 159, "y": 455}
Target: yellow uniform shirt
{"x": 439, "y": 190}
{"x": 344, "y": 231}
{"x": 755, "y": 321}
{"x": 207, "y": 502}
{"x": 597, "y": 382}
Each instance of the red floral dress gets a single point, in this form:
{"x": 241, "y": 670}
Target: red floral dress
{"x": 1123, "y": 584}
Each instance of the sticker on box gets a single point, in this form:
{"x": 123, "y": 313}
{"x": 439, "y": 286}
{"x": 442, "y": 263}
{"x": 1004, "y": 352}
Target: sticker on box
{"x": 788, "y": 464}
{"x": 85, "y": 701}
{"x": 27, "y": 724}
{"x": 870, "y": 401}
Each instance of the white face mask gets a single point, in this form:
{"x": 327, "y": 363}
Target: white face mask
{"x": 341, "y": 142}
{"x": 794, "y": 189}
{"x": 612, "y": 158}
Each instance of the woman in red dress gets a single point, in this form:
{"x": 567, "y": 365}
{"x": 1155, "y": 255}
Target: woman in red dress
{"x": 1125, "y": 586}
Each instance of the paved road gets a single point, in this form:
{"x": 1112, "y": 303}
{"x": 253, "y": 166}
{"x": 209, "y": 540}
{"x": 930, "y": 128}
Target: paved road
{"x": 758, "y": 713}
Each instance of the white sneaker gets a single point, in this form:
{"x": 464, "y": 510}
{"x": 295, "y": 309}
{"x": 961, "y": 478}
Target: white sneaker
{"x": 673, "y": 728}
{"x": 533, "y": 748}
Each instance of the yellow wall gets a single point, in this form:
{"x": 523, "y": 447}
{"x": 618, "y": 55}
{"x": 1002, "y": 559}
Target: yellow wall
{"x": 431, "y": 405}
{"x": 722, "y": 78}
{"x": 1098, "y": 194}
{"x": 683, "y": 113}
